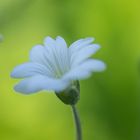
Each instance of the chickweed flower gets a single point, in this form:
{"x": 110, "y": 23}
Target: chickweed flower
{"x": 54, "y": 66}
{"x": 57, "y": 67}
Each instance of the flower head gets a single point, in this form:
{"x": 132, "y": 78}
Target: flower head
{"x": 54, "y": 66}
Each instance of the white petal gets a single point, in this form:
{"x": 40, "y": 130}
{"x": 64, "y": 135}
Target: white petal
{"x": 85, "y": 69}
{"x": 54, "y": 57}
{"x": 55, "y": 84}
{"x": 58, "y": 52}
{"x": 38, "y": 83}
{"x": 63, "y": 52}
{"x": 50, "y": 42}
{"x": 52, "y": 54}
{"x": 29, "y": 85}
{"x": 37, "y": 54}
{"x": 61, "y": 42}
{"x": 30, "y": 69}
{"x": 80, "y": 44}
{"x": 83, "y": 54}
{"x": 41, "y": 55}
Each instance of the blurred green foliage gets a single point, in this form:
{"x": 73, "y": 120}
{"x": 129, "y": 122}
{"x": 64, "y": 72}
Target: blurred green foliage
{"x": 110, "y": 101}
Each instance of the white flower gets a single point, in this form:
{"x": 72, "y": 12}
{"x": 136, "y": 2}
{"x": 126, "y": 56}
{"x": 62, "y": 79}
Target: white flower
{"x": 54, "y": 66}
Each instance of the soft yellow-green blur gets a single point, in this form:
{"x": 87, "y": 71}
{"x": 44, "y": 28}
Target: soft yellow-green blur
{"x": 110, "y": 101}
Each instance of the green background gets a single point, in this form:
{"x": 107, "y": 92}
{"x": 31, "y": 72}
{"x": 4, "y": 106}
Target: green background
{"x": 110, "y": 102}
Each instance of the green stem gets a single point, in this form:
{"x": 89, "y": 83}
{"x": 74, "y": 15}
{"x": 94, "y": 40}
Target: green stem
{"x": 77, "y": 123}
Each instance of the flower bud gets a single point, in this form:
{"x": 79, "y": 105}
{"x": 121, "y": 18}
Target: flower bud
{"x": 1, "y": 37}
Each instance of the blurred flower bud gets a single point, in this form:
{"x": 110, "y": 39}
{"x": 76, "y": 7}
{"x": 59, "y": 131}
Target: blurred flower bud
{"x": 1, "y": 37}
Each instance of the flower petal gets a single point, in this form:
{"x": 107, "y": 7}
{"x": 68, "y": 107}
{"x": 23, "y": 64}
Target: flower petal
{"x": 63, "y": 52}
{"x": 41, "y": 55}
{"x": 84, "y": 70}
{"x": 38, "y": 83}
{"x": 61, "y": 42}
{"x": 58, "y": 52}
{"x": 30, "y": 69}
{"x": 29, "y": 85}
{"x": 76, "y": 46}
{"x": 37, "y": 54}
{"x": 83, "y": 54}
{"x": 48, "y": 41}
{"x": 23, "y": 70}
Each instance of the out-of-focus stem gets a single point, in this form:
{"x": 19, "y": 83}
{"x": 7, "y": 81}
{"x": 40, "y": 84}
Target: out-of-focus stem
{"x": 77, "y": 123}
